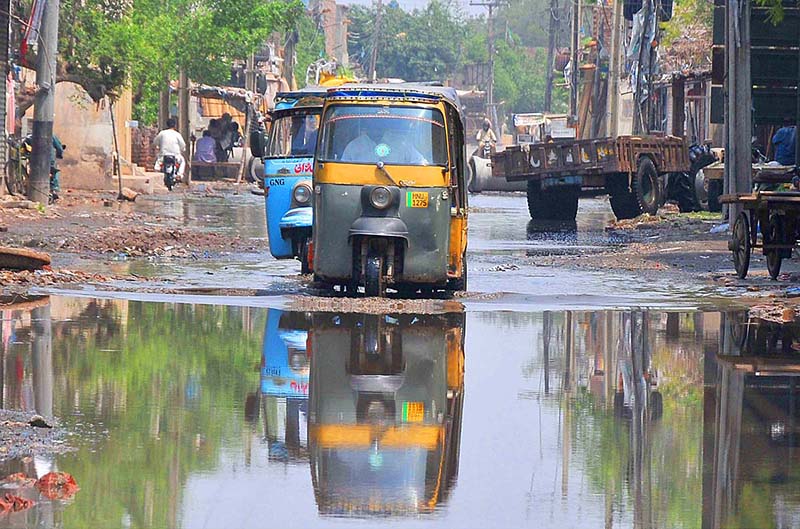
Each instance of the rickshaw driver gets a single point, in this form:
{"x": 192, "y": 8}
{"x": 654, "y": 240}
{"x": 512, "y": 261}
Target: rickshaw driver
{"x": 396, "y": 137}
{"x": 361, "y": 148}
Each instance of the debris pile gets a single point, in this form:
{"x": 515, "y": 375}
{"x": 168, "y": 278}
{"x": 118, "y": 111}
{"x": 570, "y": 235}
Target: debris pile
{"x": 154, "y": 241}
{"x": 46, "y": 278}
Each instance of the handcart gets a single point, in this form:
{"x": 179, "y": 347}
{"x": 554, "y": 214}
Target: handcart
{"x": 773, "y": 214}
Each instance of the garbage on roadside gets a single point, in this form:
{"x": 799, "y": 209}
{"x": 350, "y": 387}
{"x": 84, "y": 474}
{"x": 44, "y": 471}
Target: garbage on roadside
{"x": 57, "y": 486}
{"x": 720, "y": 228}
{"x": 11, "y": 503}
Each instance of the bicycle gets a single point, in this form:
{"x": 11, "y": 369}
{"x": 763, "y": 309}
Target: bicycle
{"x": 19, "y": 153}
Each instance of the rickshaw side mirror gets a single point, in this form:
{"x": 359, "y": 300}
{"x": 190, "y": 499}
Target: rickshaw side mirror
{"x": 258, "y": 143}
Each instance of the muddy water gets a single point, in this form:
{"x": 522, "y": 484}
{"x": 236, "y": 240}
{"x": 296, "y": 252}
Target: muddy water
{"x": 216, "y": 416}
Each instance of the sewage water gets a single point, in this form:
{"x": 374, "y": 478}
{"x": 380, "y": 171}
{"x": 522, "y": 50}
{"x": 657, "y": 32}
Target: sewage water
{"x": 203, "y": 416}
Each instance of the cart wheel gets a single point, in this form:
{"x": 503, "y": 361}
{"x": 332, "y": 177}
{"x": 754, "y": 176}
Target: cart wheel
{"x": 740, "y": 245}
{"x": 774, "y": 255}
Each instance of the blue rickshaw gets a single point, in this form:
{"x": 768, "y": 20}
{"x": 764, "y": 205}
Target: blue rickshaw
{"x": 288, "y": 156}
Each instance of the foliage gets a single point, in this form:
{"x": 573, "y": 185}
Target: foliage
{"x": 310, "y": 46}
{"x": 688, "y": 14}
{"x": 423, "y": 45}
{"x": 103, "y": 45}
{"x": 436, "y": 43}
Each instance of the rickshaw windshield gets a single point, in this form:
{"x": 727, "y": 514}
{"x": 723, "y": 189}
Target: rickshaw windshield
{"x": 294, "y": 134}
{"x": 390, "y": 134}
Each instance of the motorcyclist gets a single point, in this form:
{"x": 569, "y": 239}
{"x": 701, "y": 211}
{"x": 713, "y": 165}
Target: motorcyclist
{"x": 169, "y": 142}
{"x": 486, "y": 138}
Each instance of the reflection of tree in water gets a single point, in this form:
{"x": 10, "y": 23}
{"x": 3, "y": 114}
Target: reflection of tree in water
{"x": 631, "y": 411}
{"x": 157, "y": 403}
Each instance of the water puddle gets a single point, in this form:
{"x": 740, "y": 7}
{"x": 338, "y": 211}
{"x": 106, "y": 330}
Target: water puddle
{"x": 185, "y": 415}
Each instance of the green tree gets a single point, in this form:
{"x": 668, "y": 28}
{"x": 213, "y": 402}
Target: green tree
{"x": 424, "y": 45}
{"x": 104, "y": 46}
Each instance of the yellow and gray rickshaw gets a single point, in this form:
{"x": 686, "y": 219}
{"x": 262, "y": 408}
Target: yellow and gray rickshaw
{"x": 385, "y": 405}
{"x": 390, "y": 197}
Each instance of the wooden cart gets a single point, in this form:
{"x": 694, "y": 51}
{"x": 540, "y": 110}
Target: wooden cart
{"x": 773, "y": 214}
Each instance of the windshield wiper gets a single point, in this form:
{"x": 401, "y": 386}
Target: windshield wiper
{"x": 382, "y": 168}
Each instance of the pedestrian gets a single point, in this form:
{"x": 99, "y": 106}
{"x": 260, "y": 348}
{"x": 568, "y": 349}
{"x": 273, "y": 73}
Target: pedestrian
{"x": 205, "y": 148}
{"x": 785, "y": 141}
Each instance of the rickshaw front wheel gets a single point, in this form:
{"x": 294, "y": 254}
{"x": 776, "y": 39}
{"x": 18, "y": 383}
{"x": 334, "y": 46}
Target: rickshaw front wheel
{"x": 373, "y": 276}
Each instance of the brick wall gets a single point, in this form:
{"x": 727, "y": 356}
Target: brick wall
{"x": 143, "y": 153}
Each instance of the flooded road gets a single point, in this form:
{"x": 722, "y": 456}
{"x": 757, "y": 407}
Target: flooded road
{"x": 507, "y": 256}
{"x": 197, "y": 416}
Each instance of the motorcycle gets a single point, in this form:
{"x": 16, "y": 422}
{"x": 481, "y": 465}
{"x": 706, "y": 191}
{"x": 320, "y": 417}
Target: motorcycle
{"x": 690, "y": 189}
{"x": 169, "y": 166}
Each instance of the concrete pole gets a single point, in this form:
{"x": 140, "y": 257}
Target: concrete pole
{"x": 44, "y": 105}
{"x": 738, "y": 116}
{"x": 183, "y": 120}
{"x": 573, "y": 93}
{"x": 551, "y": 50}
{"x": 373, "y": 61}
{"x": 613, "y": 74}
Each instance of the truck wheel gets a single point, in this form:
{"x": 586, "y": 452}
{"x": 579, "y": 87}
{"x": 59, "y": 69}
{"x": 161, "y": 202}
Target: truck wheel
{"x": 646, "y": 186}
{"x": 552, "y": 204}
{"x": 714, "y": 191}
{"x": 624, "y": 205}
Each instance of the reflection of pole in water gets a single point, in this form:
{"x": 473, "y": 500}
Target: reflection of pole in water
{"x": 547, "y": 326}
{"x": 42, "y": 360}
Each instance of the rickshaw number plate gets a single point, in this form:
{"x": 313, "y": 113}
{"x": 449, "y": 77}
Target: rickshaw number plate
{"x": 413, "y": 411}
{"x": 417, "y": 199}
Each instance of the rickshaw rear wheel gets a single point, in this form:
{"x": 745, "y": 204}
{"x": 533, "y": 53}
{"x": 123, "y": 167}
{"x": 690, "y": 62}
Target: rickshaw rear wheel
{"x": 740, "y": 244}
{"x": 373, "y": 276}
{"x": 305, "y": 266}
{"x": 774, "y": 256}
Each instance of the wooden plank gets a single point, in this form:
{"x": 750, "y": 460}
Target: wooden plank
{"x": 22, "y": 259}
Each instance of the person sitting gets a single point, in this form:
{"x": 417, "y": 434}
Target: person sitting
{"x": 205, "y": 149}
{"x": 398, "y": 148}
{"x": 360, "y": 149}
{"x": 785, "y": 141}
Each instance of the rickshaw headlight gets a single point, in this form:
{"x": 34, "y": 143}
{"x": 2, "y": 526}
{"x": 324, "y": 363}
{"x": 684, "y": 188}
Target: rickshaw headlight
{"x": 302, "y": 194}
{"x": 380, "y": 197}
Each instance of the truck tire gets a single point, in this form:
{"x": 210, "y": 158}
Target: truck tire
{"x": 714, "y": 191}
{"x": 646, "y": 185}
{"x": 624, "y": 205}
{"x": 552, "y": 204}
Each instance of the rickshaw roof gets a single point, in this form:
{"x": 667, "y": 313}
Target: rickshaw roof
{"x": 419, "y": 91}
{"x": 290, "y": 100}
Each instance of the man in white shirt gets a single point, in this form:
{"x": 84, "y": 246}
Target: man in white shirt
{"x": 170, "y": 142}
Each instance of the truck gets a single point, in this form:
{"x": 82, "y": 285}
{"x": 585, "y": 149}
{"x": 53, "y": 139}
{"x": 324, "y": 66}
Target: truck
{"x": 633, "y": 170}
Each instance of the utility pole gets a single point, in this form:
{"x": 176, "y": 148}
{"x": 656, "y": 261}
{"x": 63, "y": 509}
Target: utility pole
{"x": 183, "y": 119}
{"x": 373, "y": 60}
{"x": 491, "y": 107}
{"x": 613, "y": 70}
{"x": 575, "y": 68}
{"x": 551, "y": 51}
{"x": 44, "y": 105}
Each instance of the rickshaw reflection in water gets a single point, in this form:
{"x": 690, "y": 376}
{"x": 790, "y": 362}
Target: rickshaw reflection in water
{"x": 385, "y": 405}
{"x": 283, "y": 394}
{"x": 390, "y": 201}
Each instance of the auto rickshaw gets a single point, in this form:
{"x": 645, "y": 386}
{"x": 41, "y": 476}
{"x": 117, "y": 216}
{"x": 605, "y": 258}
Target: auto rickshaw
{"x": 390, "y": 196}
{"x": 288, "y": 157}
{"x": 385, "y": 407}
{"x": 283, "y": 395}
